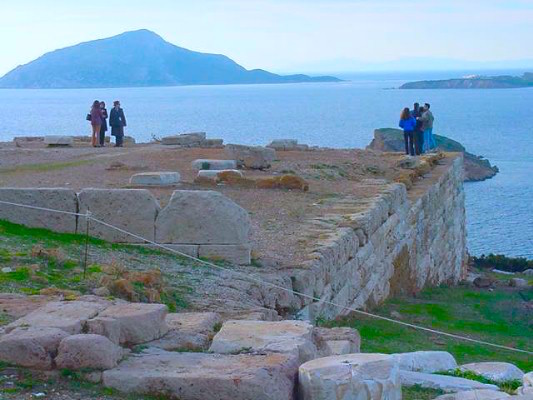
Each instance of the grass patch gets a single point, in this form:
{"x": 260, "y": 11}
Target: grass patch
{"x": 507, "y": 386}
{"x": 419, "y": 393}
{"x": 45, "y": 167}
{"x": 500, "y": 317}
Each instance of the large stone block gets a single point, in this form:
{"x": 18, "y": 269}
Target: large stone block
{"x": 283, "y": 144}
{"x": 139, "y": 322}
{"x": 202, "y": 217}
{"x": 426, "y": 361}
{"x": 69, "y": 316}
{"x": 201, "y": 376}
{"x": 351, "y": 376}
{"x": 133, "y": 210}
{"x": 336, "y": 341}
{"x": 481, "y": 394}
{"x": 155, "y": 178}
{"x": 58, "y": 140}
{"x": 253, "y": 157}
{"x": 186, "y": 139}
{"x": 31, "y": 347}
{"x": 53, "y": 198}
{"x": 87, "y": 351}
{"x": 288, "y": 337}
{"x": 204, "y": 164}
{"x": 495, "y": 371}
{"x": 441, "y": 382}
{"x": 240, "y": 254}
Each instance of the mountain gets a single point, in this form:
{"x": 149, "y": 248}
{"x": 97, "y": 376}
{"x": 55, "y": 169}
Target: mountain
{"x": 137, "y": 58}
{"x": 475, "y": 82}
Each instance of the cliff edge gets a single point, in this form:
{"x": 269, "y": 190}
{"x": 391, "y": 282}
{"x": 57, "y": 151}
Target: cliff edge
{"x": 477, "y": 168}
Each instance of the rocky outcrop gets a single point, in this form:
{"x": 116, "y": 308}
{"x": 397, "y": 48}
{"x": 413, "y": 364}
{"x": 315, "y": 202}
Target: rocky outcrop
{"x": 252, "y": 157}
{"x": 476, "y": 167}
{"x": 475, "y": 82}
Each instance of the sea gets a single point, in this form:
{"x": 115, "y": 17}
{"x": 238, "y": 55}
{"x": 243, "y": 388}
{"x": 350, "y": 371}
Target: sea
{"x": 494, "y": 123}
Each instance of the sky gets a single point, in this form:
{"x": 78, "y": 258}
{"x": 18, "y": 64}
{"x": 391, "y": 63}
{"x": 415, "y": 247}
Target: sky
{"x": 285, "y": 35}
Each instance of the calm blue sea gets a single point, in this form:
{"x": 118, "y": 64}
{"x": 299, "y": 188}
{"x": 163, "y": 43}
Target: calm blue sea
{"x": 497, "y": 124}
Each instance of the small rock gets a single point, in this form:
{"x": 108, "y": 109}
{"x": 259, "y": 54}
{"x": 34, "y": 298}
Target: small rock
{"x": 528, "y": 272}
{"x": 7, "y": 270}
{"x": 498, "y": 271}
{"x": 102, "y": 291}
{"x": 482, "y": 282}
{"x": 155, "y": 178}
{"x": 495, "y": 371}
{"x": 396, "y": 314}
{"x": 426, "y": 361}
{"x": 441, "y": 382}
{"x": 518, "y": 282}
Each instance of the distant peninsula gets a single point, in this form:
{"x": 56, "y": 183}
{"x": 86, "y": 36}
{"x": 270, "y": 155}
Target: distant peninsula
{"x": 134, "y": 59}
{"x": 475, "y": 82}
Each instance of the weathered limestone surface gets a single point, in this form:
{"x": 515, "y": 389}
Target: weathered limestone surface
{"x": 202, "y": 217}
{"x": 53, "y": 198}
{"x": 133, "y": 210}
{"x": 139, "y": 322}
{"x": 351, "y": 376}
{"x": 426, "y": 361}
{"x": 233, "y": 253}
{"x": 495, "y": 371}
{"x": 205, "y": 164}
{"x": 186, "y": 139}
{"x": 336, "y": 341}
{"x": 442, "y": 382}
{"x": 87, "y": 351}
{"x": 287, "y": 337}
{"x": 252, "y": 157}
{"x": 200, "y": 376}
{"x": 393, "y": 243}
{"x": 287, "y": 144}
{"x": 155, "y": 178}
{"x": 481, "y": 394}
{"x": 32, "y": 347}
{"x": 58, "y": 140}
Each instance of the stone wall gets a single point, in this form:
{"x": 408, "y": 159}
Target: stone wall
{"x": 396, "y": 242}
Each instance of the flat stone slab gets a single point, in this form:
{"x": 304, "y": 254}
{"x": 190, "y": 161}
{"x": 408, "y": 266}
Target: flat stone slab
{"x": 495, "y": 371}
{"x": 426, "y": 361}
{"x": 87, "y": 351}
{"x": 202, "y": 217}
{"x": 350, "y": 376}
{"x": 482, "y": 394}
{"x": 232, "y": 253}
{"x": 188, "y": 331}
{"x": 201, "y": 376}
{"x": 206, "y": 164}
{"x": 51, "y": 198}
{"x": 442, "y": 382}
{"x": 155, "y": 178}
{"x": 289, "y": 337}
{"x": 69, "y": 316}
{"x": 185, "y": 139}
{"x": 139, "y": 322}
{"x": 133, "y": 210}
{"x": 336, "y": 341}
{"x": 31, "y": 347}
{"x": 58, "y": 140}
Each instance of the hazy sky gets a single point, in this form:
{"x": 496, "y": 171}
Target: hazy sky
{"x": 280, "y": 35}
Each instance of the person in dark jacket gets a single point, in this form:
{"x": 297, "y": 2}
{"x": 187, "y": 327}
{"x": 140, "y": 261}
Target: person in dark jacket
{"x": 117, "y": 120}
{"x": 408, "y": 124}
{"x": 96, "y": 122}
{"x": 419, "y": 130}
{"x": 103, "y": 127}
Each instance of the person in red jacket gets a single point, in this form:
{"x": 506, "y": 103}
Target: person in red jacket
{"x": 96, "y": 122}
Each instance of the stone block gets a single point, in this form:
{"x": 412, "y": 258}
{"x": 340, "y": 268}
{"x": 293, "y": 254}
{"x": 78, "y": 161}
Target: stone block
{"x": 252, "y": 157}
{"x": 53, "y": 198}
{"x": 69, "y": 316}
{"x": 205, "y": 164}
{"x": 351, "y": 376}
{"x": 441, "y": 382}
{"x": 87, "y": 351}
{"x": 240, "y": 254}
{"x": 31, "y": 347}
{"x": 58, "y": 140}
{"x": 426, "y": 361}
{"x": 283, "y": 144}
{"x": 212, "y": 143}
{"x": 495, "y": 371}
{"x": 139, "y": 322}
{"x": 108, "y": 327}
{"x": 481, "y": 394}
{"x": 155, "y": 178}
{"x": 133, "y": 210}
{"x": 216, "y": 175}
{"x": 186, "y": 139}
{"x": 202, "y": 217}
{"x": 336, "y": 341}
{"x": 288, "y": 337}
{"x": 199, "y": 376}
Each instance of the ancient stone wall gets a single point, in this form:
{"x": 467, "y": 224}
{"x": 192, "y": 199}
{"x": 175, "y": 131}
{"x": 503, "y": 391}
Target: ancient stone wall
{"x": 396, "y": 242}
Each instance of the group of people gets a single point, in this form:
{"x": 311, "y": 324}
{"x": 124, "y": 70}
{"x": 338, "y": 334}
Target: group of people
{"x": 417, "y": 125}
{"x": 98, "y": 117}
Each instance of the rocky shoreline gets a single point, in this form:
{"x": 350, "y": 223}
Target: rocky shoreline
{"x": 477, "y": 168}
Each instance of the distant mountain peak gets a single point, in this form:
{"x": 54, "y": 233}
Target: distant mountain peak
{"x": 137, "y": 58}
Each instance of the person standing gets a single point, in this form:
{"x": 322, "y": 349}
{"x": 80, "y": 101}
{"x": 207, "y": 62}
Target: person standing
{"x": 96, "y": 122}
{"x": 419, "y": 131}
{"x": 408, "y": 123}
{"x": 103, "y": 127}
{"x": 427, "y": 120}
{"x": 117, "y": 120}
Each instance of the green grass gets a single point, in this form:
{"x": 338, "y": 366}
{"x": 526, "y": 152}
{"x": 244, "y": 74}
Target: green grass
{"x": 418, "y": 393}
{"x": 500, "y": 317}
{"x": 46, "y": 167}
{"x": 507, "y": 386}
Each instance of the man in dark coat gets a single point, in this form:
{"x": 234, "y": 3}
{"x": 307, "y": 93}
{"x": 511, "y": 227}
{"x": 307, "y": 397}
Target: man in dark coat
{"x": 117, "y": 120}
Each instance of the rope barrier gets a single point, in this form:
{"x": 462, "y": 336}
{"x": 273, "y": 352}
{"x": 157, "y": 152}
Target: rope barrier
{"x": 255, "y": 279}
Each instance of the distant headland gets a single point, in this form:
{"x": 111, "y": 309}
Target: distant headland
{"x": 475, "y": 82}
{"x": 135, "y": 59}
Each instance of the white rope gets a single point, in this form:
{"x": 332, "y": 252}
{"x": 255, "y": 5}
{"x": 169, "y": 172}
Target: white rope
{"x": 262, "y": 282}
{"x": 41, "y": 208}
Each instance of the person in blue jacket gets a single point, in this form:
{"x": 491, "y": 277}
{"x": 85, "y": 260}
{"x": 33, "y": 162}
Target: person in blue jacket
{"x": 408, "y": 124}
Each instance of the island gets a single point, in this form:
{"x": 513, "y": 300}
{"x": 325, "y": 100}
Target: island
{"x": 134, "y": 59}
{"x": 476, "y": 168}
{"x": 475, "y": 82}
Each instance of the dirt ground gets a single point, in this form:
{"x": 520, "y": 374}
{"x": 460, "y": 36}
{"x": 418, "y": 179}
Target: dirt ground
{"x": 276, "y": 214}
